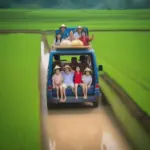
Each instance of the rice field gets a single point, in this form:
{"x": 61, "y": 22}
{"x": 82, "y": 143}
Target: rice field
{"x": 124, "y": 55}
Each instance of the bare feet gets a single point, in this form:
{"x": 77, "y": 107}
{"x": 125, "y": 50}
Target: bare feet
{"x": 76, "y": 97}
{"x": 61, "y": 100}
{"x": 64, "y": 99}
{"x": 85, "y": 97}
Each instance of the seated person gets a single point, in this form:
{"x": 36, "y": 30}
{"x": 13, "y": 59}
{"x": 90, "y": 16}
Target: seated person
{"x": 85, "y": 39}
{"x": 74, "y": 63}
{"x": 87, "y": 80}
{"x": 57, "y": 61}
{"x": 57, "y": 40}
{"x": 78, "y": 81}
{"x": 83, "y": 64}
{"x": 89, "y": 62}
{"x": 71, "y": 36}
{"x": 57, "y": 80}
{"x": 77, "y": 34}
{"x": 68, "y": 76}
{"x": 63, "y": 32}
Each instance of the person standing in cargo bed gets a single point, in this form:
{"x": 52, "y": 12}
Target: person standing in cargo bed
{"x": 68, "y": 76}
{"x": 63, "y": 32}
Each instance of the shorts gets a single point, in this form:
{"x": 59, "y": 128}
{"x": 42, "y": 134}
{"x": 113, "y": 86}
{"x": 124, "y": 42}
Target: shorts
{"x": 68, "y": 85}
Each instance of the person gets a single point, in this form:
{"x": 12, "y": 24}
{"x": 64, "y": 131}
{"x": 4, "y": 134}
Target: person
{"x": 63, "y": 32}
{"x": 78, "y": 81}
{"x": 74, "y": 63}
{"x": 57, "y": 81}
{"x": 83, "y": 63}
{"x": 57, "y": 40}
{"x": 68, "y": 76}
{"x": 71, "y": 36}
{"x": 87, "y": 80}
{"x": 77, "y": 34}
{"x": 85, "y": 39}
{"x": 57, "y": 61}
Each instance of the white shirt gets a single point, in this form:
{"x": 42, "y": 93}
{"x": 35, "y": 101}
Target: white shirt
{"x": 77, "y": 35}
{"x": 87, "y": 79}
{"x": 68, "y": 78}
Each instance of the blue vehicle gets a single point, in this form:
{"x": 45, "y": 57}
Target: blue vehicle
{"x": 71, "y": 53}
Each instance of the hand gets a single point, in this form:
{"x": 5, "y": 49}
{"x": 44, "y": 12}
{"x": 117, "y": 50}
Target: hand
{"x": 92, "y": 36}
{"x": 54, "y": 87}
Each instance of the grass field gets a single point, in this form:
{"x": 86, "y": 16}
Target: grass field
{"x": 94, "y": 19}
{"x": 19, "y": 107}
{"x": 124, "y": 55}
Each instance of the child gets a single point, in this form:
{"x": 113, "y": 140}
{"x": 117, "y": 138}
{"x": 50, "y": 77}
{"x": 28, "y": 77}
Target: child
{"x": 57, "y": 81}
{"x": 87, "y": 80}
{"x": 57, "y": 40}
{"x": 85, "y": 39}
{"x": 78, "y": 81}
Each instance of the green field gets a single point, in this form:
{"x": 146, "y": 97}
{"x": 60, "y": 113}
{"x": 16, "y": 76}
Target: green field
{"x": 124, "y": 55}
{"x": 19, "y": 108}
{"x": 94, "y": 19}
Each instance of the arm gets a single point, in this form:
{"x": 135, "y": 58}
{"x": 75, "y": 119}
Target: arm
{"x": 90, "y": 39}
{"x": 53, "y": 84}
{"x": 83, "y": 79}
{"x": 90, "y": 82}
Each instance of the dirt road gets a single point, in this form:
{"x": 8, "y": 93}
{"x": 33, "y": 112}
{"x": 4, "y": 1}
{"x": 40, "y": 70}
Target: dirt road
{"x": 80, "y": 127}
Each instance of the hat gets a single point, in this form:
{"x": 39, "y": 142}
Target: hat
{"x": 88, "y": 69}
{"x": 79, "y": 27}
{"x": 56, "y": 67}
{"x": 63, "y": 25}
{"x": 67, "y": 66}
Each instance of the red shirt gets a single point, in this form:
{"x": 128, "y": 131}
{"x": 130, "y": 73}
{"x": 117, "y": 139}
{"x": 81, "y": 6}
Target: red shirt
{"x": 78, "y": 77}
{"x": 85, "y": 40}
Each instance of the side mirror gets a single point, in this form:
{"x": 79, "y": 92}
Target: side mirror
{"x": 100, "y": 68}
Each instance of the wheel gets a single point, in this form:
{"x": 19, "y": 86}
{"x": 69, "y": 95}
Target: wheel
{"x": 97, "y": 102}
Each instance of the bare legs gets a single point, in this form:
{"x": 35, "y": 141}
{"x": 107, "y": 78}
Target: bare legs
{"x": 64, "y": 93}
{"x": 76, "y": 90}
{"x": 86, "y": 90}
{"x": 57, "y": 91}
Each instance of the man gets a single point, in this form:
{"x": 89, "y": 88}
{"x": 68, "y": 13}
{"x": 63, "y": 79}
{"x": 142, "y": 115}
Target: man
{"x": 63, "y": 32}
{"x": 77, "y": 34}
{"x": 68, "y": 76}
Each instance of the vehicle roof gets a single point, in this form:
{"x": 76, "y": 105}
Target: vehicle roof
{"x": 68, "y": 29}
{"x": 73, "y": 52}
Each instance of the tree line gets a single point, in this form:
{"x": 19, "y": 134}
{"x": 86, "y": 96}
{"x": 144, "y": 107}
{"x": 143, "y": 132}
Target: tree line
{"x": 77, "y": 4}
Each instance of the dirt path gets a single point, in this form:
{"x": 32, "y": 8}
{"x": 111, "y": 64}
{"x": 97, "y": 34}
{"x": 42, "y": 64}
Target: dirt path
{"x": 83, "y": 128}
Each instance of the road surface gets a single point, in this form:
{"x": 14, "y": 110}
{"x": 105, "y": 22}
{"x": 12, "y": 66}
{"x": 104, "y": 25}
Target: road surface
{"x": 80, "y": 127}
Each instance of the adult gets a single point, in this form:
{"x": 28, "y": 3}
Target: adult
{"x": 85, "y": 39}
{"x": 77, "y": 34}
{"x": 68, "y": 76}
{"x": 83, "y": 63}
{"x": 63, "y": 32}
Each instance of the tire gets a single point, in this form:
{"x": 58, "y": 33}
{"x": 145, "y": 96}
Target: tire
{"x": 97, "y": 102}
